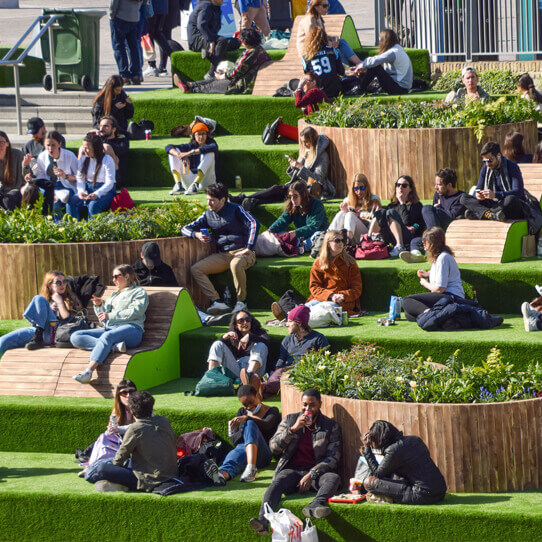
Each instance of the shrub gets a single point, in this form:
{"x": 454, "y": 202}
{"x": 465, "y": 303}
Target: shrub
{"x": 367, "y": 372}
{"x": 492, "y": 81}
{"x": 29, "y": 226}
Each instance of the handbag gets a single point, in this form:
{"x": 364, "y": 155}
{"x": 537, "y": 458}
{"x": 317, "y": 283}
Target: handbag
{"x": 371, "y": 250}
{"x": 216, "y": 382}
{"x": 309, "y": 534}
{"x": 65, "y": 329}
{"x": 287, "y": 527}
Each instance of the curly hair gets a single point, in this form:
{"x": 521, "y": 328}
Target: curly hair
{"x": 255, "y": 326}
{"x": 383, "y": 434}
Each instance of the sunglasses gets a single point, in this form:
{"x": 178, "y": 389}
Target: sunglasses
{"x": 488, "y": 160}
{"x": 241, "y": 320}
{"x": 359, "y": 188}
{"x": 115, "y": 277}
{"x": 402, "y": 185}
{"x": 338, "y": 240}
{"x": 125, "y": 393}
{"x": 58, "y": 282}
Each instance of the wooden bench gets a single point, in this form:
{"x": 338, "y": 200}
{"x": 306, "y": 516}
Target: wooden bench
{"x": 486, "y": 241}
{"x": 49, "y": 371}
{"x": 275, "y": 74}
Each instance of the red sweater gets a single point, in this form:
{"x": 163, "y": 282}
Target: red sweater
{"x": 309, "y": 101}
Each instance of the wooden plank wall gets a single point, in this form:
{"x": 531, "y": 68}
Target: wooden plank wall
{"x": 25, "y": 265}
{"x": 479, "y": 448}
{"x": 385, "y": 154}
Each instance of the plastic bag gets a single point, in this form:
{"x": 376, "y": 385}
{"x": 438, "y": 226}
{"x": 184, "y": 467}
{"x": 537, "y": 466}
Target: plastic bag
{"x": 396, "y": 304}
{"x": 309, "y": 534}
{"x": 325, "y": 314}
{"x": 286, "y": 526}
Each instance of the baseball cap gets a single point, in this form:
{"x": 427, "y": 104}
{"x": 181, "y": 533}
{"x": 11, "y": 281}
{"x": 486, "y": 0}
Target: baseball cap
{"x": 467, "y": 69}
{"x": 151, "y": 254}
{"x": 34, "y": 125}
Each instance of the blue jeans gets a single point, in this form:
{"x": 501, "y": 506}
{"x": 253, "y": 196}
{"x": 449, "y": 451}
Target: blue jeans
{"x": 101, "y": 340}
{"x": 105, "y": 470}
{"x": 38, "y": 313}
{"x": 103, "y": 203}
{"x": 435, "y": 216}
{"x": 236, "y": 461}
{"x": 345, "y": 51}
{"x": 125, "y": 34}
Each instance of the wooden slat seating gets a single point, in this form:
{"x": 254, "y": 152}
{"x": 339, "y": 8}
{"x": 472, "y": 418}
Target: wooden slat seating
{"x": 272, "y": 76}
{"x": 486, "y": 241}
{"x": 49, "y": 371}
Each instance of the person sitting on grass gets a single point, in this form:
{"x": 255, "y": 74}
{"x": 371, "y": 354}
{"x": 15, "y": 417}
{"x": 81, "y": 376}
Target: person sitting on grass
{"x": 251, "y": 430}
{"x": 471, "y": 89}
{"x": 54, "y": 303}
{"x": 309, "y": 93}
{"x": 528, "y": 91}
{"x": 242, "y": 350}
{"x": 243, "y": 75}
{"x": 300, "y": 339}
{"x": 446, "y": 207}
{"x": 11, "y": 174}
{"x": 234, "y": 232}
{"x": 406, "y": 474}
{"x": 193, "y": 164}
{"x": 151, "y": 270}
{"x": 151, "y": 445}
{"x": 444, "y": 276}
{"x": 122, "y": 316}
{"x": 111, "y": 100}
{"x": 310, "y": 446}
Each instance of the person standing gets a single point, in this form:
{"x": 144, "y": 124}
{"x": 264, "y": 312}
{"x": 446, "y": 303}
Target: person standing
{"x": 255, "y": 12}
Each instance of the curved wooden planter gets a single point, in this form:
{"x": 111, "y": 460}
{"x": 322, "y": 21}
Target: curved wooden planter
{"x": 385, "y": 154}
{"x": 24, "y": 265}
{"x": 479, "y": 448}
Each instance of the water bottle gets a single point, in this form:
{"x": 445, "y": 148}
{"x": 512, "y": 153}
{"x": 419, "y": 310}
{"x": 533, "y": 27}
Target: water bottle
{"x": 539, "y": 247}
{"x": 474, "y": 296}
{"x": 227, "y": 296}
{"x": 238, "y": 182}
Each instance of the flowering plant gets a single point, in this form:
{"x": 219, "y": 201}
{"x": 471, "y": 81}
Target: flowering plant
{"x": 367, "y": 372}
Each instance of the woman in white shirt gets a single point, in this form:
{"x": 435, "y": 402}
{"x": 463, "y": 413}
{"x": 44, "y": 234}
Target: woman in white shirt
{"x": 444, "y": 276}
{"x": 56, "y": 170}
{"x": 96, "y": 186}
{"x": 392, "y": 66}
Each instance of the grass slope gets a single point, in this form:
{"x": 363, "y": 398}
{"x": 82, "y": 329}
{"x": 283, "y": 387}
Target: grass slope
{"x": 33, "y": 71}
{"x": 43, "y": 500}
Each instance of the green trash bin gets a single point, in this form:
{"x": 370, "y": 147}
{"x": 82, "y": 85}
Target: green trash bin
{"x": 76, "y": 42}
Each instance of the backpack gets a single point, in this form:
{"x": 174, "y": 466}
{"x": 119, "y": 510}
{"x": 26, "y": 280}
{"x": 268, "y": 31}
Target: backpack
{"x": 371, "y": 250}
{"x": 216, "y": 382}
{"x": 136, "y": 130}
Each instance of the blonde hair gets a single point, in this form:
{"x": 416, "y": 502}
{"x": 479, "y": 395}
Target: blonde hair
{"x": 311, "y": 136}
{"x": 315, "y": 41}
{"x": 126, "y": 269}
{"x": 325, "y": 256}
{"x": 366, "y": 195}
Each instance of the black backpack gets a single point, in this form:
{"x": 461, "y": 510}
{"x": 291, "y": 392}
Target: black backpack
{"x": 136, "y": 130}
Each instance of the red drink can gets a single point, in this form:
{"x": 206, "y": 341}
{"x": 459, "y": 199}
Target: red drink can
{"x": 308, "y": 415}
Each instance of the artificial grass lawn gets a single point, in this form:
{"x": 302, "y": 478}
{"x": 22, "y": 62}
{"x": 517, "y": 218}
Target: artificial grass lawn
{"x": 44, "y": 500}
{"x": 33, "y": 71}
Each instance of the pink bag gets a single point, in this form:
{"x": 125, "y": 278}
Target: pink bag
{"x": 371, "y": 250}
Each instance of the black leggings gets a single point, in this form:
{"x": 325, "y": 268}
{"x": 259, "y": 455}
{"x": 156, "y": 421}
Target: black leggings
{"x": 384, "y": 78}
{"x": 405, "y": 494}
{"x": 156, "y": 28}
{"x": 275, "y": 194}
{"x": 416, "y": 304}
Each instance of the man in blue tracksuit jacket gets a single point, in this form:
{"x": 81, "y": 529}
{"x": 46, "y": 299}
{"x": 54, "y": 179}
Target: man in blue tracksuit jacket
{"x": 234, "y": 232}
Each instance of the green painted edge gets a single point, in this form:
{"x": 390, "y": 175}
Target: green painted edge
{"x": 349, "y": 33}
{"x": 514, "y": 239}
{"x": 155, "y": 367}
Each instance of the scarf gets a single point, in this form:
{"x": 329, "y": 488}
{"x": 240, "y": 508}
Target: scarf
{"x": 490, "y": 180}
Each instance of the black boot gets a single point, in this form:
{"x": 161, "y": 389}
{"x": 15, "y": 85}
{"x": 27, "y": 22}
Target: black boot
{"x": 36, "y": 341}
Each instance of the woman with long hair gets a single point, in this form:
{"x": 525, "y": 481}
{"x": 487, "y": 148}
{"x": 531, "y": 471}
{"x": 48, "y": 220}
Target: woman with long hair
{"x": 392, "y": 66}
{"x": 12, "y": 162}
{"x": 54, "y": 303}
{"x": 335, "y": 275}
{"x": 242, "y": 350}
{"x": 313, "y": 18}
{"x": 112, "y": 101}
{"x": 251, "y": 430}
{"x": 443, "y": 279}
{"x": 406, "y": 474}
{"x": 401, "y": 221}
{"x": 513, "y": 149}
{"x": 193, "y": 164}
{"x": 122, "y": 316}
{"x": 527, "y": 90}
{"x": 96, "y": 184}
{"x": 305, "y": 212}
{"x": 357, "y": 209}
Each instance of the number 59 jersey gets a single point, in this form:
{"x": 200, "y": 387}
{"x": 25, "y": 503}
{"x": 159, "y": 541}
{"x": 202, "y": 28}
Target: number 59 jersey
{"x": 328, "y": 67}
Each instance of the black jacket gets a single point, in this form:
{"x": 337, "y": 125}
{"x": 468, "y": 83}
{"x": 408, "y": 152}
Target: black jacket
{"x": 409, "y": 459}
{"x": 122, "y": 116}
{"x": 161, "y": 275}
{"x": 204, "y": 21}
{"x": 410, "y": 213}
{"x": 85, "y": 286}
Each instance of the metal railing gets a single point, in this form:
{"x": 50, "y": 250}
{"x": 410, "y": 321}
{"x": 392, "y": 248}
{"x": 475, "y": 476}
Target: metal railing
{"x": 464, "y": 29}
{"x": 18, "y": 62}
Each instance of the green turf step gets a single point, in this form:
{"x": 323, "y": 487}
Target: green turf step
{"x": 44, "y": 500}
{"x": 517, "y": 346}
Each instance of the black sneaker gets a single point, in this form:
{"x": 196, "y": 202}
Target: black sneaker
{"x": 261, "y": 526}
{"x": 36, "y": 341}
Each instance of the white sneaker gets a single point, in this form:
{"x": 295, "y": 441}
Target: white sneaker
{"x": 396, "y": 250}
{"x": 414, "y": 256}
{"x": 218, "y": 307}
{"x": 530, "y": 317}
{"x": 106, "y": 486}
{"x": 62, "y": 195}
{"x": 193, "y": 188}
{"x": 240, "y": 306}
{"x": 120, "y": 347}
{"x": 538, "y": 289}
{"x": 163, "y": 73}
{"x": 84, "y": 377}
{"x": 177, "y": 189}
{"x": 249, "y": 474}
{"x": 150, "y": 72}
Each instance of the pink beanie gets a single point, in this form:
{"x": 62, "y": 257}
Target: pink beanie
{"x": 300, "y": 314}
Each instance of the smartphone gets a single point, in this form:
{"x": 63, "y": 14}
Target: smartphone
{"x": 205, "y": 232}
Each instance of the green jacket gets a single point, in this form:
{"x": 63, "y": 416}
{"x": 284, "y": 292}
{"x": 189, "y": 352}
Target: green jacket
{"x": 126, "y": 306}
{"x": 305, "y": 225}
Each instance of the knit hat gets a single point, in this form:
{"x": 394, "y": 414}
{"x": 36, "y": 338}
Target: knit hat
{"x": 300, "y": 314}
{"x": 200, "y": 127}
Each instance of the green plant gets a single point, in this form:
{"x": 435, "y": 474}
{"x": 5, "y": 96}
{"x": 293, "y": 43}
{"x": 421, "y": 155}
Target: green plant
{"x": 30, "y": 226}
{"x": 492, "y": 81}
{"x": 367, "y": 372}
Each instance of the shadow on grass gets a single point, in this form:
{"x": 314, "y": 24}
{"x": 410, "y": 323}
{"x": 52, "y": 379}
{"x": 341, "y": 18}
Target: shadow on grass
{"x": 455, "y": 499}
{"x": 346, "y": 530}
{"x": 6, "y": 473}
